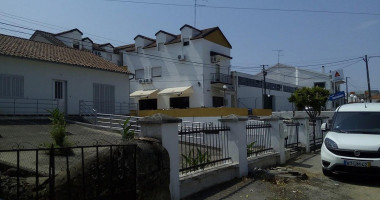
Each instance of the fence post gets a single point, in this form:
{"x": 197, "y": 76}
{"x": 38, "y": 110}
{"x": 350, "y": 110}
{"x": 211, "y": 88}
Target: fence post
{"x": 237, "y": 141}
{"x": 277, "y": 137}
{"x": 165, "y": 129}
{"x": 303, "y": 132}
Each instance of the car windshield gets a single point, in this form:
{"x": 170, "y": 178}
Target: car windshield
{"x": 357, "y": 122}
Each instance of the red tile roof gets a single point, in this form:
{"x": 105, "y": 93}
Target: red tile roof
{"x": 24, "y": 48}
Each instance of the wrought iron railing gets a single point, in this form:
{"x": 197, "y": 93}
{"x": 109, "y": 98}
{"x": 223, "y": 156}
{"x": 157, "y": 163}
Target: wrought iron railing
{"x": 258, "y": 138}
{"x": 202, "y": 145}
{"x": 221, "y": 78}
{"x": 90, "y": 172}
{"x": 292, "y": 135}
{"x": 27, "y": 106}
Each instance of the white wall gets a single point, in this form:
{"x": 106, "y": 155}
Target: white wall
{"x": 251, "y": 97}
{"x": 39, "y": 76}
{"x": 175, "y": 73}
{"x": 68, "y": 38}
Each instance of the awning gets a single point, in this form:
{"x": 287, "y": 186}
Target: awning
{"x": 144, "y": 94}
{"x": 176, "y": 91}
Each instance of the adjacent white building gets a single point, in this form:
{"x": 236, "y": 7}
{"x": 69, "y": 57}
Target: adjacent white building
{"x": 281, "y": 81}
{"x": 186, "y": 70}
{"x": 250, "y": 92}
{"x": 36, "y": 76}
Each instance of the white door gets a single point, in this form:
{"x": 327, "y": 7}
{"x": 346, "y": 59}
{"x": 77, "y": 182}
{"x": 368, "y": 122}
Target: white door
{"x": 60, "y": 94}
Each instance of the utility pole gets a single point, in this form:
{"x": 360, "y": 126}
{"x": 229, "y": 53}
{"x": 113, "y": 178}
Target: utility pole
{"x": 264, "y": 84}
{"x": 195, "y": 13}
{"x": 369, "y": 85}
{"x": 278, "y": 55}
{"x": 347, "y": 89}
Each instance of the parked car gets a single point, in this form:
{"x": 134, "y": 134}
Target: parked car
{"x": 353, "y": 143}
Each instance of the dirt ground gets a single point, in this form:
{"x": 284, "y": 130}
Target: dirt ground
{"x": 316, "y": 186}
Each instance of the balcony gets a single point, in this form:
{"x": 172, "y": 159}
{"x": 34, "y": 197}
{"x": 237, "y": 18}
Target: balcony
{"x": 221, "y": 78}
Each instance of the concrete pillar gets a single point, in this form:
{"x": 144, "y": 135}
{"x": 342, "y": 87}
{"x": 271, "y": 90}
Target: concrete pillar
{"x": 304, "y": 136}
{"x": 237, "y": 141}
{"x": 277, "y": 136}
{"x": 165, "y": 129}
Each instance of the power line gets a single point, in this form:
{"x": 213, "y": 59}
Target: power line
{"x": 250, "y": 8}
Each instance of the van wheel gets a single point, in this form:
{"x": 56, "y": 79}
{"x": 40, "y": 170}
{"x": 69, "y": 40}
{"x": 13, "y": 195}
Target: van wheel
{"x": 327, "y": 172}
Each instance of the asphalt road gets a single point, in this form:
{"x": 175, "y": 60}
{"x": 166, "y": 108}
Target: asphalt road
{"x": 316, "y": 187}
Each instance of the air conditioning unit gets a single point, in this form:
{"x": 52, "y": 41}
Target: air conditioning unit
{"x": 141, "y": 81}
{"x": 148, "y": 80}
{"x": 214, "y": 59}
{"x": 181, "y": 57}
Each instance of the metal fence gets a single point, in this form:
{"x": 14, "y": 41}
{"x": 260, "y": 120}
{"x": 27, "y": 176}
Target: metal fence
{"x": 292, "y": 135}
{"x": 202, "y": 145}
{"x": 68, "y": 171}
{"x": 316, "y": 138}
{"x": 27, "y": 106}
{"x": 258, "y": 138}
{"x": 119, "y": 108}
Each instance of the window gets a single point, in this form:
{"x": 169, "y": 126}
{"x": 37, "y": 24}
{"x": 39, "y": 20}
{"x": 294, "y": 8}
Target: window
{"x": 217, "y": 101}
{"x": 288, "y": 89}
{"x": 156, "y": 72}
{"x": 179, "y": 102}
{"x": 76, "y": 44}
{"x": 104, "y": 98}
{"x": 148, "y": 104}
{"x": 139, "y": 74}
{"x": 320, "y": 84}
{"x": 186, "y": 41}
{"x": 11, "y": 86}
{"x": 160, "y": 46}
{"x": 58, "y": 90}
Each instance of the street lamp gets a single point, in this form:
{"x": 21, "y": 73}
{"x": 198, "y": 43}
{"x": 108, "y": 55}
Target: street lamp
{"x": 224, "y": 95}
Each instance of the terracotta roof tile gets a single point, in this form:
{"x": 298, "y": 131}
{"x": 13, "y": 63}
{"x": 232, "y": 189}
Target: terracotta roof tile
{"x": 128, "y": 47}
{"x": 19, "y": 47}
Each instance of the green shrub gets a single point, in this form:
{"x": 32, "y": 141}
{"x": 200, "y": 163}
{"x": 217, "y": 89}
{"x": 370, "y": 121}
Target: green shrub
{"x": 58, "y": 131}
{"x": 250, "y": 149}
{"x": 199, "y": 160}
{"x": 127, "y": 132}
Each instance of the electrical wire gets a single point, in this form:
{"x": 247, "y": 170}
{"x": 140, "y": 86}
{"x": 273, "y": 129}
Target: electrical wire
{"x": 248, "y": 8}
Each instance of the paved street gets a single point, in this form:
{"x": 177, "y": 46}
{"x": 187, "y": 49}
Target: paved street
{"x": 317, "y": 186}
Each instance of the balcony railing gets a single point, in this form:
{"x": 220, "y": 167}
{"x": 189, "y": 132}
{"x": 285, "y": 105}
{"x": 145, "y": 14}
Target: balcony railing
{"x": 221, "y": 78}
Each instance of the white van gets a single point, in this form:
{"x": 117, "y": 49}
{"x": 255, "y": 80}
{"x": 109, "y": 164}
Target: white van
{"x": 353, "y": 143}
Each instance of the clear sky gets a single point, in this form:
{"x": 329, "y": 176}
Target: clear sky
{"x": 308, "y": 39}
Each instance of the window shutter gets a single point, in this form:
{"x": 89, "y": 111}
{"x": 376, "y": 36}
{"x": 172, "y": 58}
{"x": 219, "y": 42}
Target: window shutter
{"x": 156, "y": 72}
{"x": 139, "y": 73}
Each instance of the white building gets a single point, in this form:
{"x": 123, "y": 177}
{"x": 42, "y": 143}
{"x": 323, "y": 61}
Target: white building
{"x": 36, "y": 76}
{"x": 250, "y": 92}
{"x": 73, "y": 39}
{"x": 187, "y": 70}
{"x": 300, "y": 77}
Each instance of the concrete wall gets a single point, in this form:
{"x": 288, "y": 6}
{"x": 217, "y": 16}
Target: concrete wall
{"x": 197, "y": 112}
{"x": 39, "y": 77}
{"x": 68, "y": 38}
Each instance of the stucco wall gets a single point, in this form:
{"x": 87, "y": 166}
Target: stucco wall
{"x": 39, "y": 77}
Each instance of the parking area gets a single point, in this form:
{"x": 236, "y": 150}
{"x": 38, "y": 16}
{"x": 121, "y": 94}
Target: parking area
{"x": 315, "y": 187}
{"x": 33, "y": 134}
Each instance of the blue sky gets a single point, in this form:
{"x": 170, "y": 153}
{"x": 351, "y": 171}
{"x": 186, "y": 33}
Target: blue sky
{"x": 306, "y": 38}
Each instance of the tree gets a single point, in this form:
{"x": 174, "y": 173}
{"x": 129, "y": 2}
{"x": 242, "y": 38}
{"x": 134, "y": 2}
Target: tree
{"x": 311, "y": 100}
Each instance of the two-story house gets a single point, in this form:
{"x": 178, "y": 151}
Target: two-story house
{"x": 74, "y": 39}
{"x": 186, "y": 70}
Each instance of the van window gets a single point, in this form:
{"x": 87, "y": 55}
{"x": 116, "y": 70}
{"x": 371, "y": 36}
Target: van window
{"x": 357, "y": 122}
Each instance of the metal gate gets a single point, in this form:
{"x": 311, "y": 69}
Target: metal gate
{"x": 292, "y": 135}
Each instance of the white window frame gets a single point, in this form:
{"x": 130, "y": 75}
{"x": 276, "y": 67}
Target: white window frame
{"x": 186, "y": 40}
